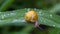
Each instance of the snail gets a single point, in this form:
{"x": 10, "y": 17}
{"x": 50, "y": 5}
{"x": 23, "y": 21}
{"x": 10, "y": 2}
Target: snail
{"x": 32, "y": 16}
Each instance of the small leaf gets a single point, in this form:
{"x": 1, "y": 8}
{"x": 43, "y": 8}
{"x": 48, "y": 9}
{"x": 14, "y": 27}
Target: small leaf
{"x": 6, "y": 4}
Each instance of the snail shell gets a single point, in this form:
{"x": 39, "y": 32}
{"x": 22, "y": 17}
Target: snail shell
{"x": 31, "y": 16}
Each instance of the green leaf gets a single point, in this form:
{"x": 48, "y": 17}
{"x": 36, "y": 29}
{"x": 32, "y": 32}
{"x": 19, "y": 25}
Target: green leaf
{"x": 45, "y": 18}
{"x": 6, "y": 4}
{"x": 55, "y": 8}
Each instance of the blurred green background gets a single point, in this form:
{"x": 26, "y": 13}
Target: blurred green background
{"x": 12, "y": 16}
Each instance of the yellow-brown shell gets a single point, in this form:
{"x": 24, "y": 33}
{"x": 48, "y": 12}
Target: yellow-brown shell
{"x": 31, "y": 16}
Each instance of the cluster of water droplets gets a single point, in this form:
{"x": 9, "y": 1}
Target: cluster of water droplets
{"x": 5, "y": 15}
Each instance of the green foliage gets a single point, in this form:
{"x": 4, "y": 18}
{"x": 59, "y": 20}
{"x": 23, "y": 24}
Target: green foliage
{"x": 12, "y": 22}
{"x": 6, "y": 4}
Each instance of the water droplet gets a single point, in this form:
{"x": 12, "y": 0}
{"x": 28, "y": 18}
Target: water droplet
{"x": 28, "y": 9}
{"x": 34, "y": 8}
{"x": 12, "y": 13}
{"x": 14, "y": 20}
{"x": 2, "y": 17}
{"x": 53, "y": 25}
{"x": 50, "y": 15}
{"x": 23, "y": 20}
{"x": 8, "y": 14}
{"x": 39, "y": 12}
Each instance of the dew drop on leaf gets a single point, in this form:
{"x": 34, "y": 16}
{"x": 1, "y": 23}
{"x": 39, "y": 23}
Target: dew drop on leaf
{"x": 8, "y": 14}
{"x": 14, "y": 20}
{"x": 28, "y": 9}
{"x": 34, "y": 8}
{"x": 39, "y": 12}
{"x": 12, "y": 13}
{"x": 50, "y": 15}
{"x": 53, "y": 25}
{"x": 2, "y": 16}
